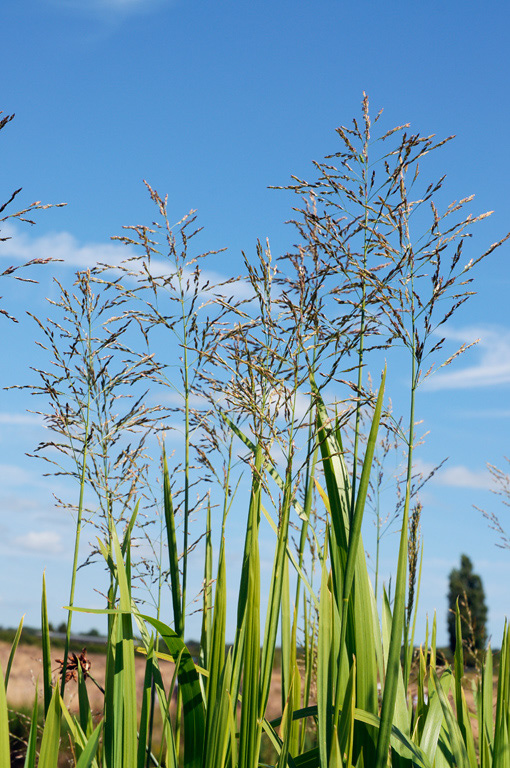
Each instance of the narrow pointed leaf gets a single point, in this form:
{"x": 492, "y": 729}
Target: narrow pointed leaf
{"x": 30, "y": 756}
{"x": 46, "y": 651}
{"x": 194, "y": 715}
{"x": 48, "y": 757}
{"x": 5, "y": 752}
{"x": 173, "y": 554}
{"x": 13, "y": 651}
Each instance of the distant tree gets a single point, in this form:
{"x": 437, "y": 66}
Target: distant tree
{"x": 467, "y": 587}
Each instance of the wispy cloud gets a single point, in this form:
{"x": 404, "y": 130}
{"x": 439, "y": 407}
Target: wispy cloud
{"x": 488, "y": 413}
{"x": 13, "y": 475}
{"x": 491, "y": 368}
{"x": 20, "y": 419}
{"x": 458, "y": 476}
{"x": 463, "y": 477}
{"x": 65, "y": 247}
{"x": 120, "y": 4}
{"x": 60, "y": 245}
{"x": 112, "y": 7}
{"x": 47, "y": 542}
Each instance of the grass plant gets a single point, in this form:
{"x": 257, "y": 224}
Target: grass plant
{"x": 253, "y": 365}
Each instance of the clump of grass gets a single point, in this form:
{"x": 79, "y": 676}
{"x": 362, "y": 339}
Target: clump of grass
{"x": 253, "y": 364}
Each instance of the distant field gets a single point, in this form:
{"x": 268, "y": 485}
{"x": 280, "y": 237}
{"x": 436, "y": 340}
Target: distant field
{"x": 27, "y": 669}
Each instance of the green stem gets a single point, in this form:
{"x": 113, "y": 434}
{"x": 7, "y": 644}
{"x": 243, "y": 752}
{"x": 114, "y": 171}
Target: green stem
{"x": 80, "y": 512}
{"x": 393, "y": 670}
{"x": 361, "y": 350}
{"x": 180, "y": 630}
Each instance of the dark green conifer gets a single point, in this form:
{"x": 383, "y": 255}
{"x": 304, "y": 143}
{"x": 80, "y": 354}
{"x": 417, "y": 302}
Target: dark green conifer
{"x": 467, "y": 587}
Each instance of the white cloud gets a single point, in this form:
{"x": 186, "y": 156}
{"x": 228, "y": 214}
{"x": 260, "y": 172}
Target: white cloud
{"x": 47, "y": 542}
{"x": 120, "y": 3}
{"x": 60, "y": 245}
{"x": 463, "y": 477}
{"x": 457, "y": 476}
{"x": 493, "y": 364}
{"x": 12, "y": 474}
{"x": 489, "y": 413}
{"x": 16, "y": 503}
{"x": 65, "y": 247}
{"x": 112, "y": 7}
{"x": 124, "y": 5}
{"x": 20, "y": 419}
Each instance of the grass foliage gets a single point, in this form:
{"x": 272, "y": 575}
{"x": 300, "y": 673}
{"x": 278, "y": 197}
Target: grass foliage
{"x": 249, "y": 379}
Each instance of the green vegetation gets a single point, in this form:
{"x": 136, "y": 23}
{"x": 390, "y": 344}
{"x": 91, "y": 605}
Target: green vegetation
{"x": 252, "y": 370}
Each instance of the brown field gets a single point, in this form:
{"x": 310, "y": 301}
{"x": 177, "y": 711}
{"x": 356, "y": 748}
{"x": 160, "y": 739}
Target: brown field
{"x": 27, "y": 669}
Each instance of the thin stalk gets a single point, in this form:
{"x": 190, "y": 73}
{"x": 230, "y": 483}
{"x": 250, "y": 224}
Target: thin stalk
{"x": 178, "y": 716}
{"x": 80, "y": 512}
{"x": 109, "y": 516}
{"x": 152, "y": 707}
{"x": 405, "y": 520}
{"x": 360, "y": 354}
{"x": 398, "y": 621}
{"x": 310, "y": 472}
{"x": 186, "y": 471}
{"x": 306, "y": 522}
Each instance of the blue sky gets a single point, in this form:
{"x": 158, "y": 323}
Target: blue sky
{"x": 212, "y": 103}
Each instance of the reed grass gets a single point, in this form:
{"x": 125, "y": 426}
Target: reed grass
{"x": 257, "y": 360}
